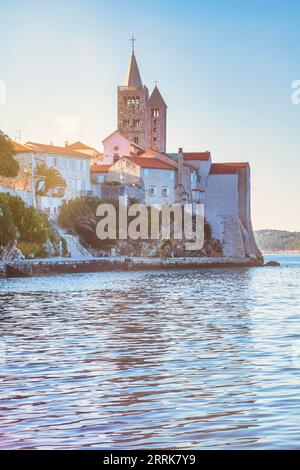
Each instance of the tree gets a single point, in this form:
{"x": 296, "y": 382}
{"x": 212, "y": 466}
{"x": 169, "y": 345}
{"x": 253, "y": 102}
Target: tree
{"x": 52, "y": 177}
{"x": 9, "y": 166}
{"x": 16, "y": 205}
{"x": 8, "y": 230}
{"x": 34, "y": 227}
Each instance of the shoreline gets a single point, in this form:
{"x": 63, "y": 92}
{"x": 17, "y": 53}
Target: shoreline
{"x": 280, "y": 252}
{"x": 38, "y": 267}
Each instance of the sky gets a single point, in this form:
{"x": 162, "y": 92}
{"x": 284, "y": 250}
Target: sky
{"x": 225, "y": 70}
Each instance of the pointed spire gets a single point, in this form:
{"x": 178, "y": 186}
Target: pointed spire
{"x": 133, "y": 77}
{"x": 156, "y": 99}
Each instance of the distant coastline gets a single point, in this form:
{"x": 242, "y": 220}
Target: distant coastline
{"x": 277, "y": 241}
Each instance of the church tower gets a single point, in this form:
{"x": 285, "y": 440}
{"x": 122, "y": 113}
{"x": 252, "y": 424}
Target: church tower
{"x": 132, "y": 105}
{"x": 156, "y": 121}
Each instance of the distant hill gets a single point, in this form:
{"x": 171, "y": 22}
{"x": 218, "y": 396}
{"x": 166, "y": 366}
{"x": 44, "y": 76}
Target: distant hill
{"x": 277, "y": 240}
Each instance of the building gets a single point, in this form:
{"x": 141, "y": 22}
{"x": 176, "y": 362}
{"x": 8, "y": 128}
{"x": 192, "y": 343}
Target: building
{"x": 22, "y": 185}
{"x": 135, "y": 154}
{"x": 74, "y": 166}
{"x": 134, "y": 163}
{"x": 142, "y": 119}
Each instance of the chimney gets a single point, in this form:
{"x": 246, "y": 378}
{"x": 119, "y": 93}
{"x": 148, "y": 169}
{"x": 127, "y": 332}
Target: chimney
{"x": 180, "y": 167}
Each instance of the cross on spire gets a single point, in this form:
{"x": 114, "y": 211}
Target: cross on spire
{"x": 155, "y": 82}
{"x": 132, "y": 43}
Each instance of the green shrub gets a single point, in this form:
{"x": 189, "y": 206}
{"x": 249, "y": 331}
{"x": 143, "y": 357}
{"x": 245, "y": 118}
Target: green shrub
{"x": 8, "y": 230}
{"x": 31, "y": 249}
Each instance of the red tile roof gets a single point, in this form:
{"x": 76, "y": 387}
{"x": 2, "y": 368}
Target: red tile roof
{"x": 81, "y": 146}
{"x": 202, "y": 156}
{"x": 100, "y": 168}
{"x": 150, "y": 163}
{"x": 19, "y": 148}
{"x": 53, "y": 149}
{"x": 227, "y": 168}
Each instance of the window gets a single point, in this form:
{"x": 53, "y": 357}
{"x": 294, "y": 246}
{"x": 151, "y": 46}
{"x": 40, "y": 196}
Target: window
{"x": 136, "y": 123}
{"x": 125, "y": 122}
{"x": 136, "y": 139}
{"x": 154, "y": 129}
{"x": 152, "y": 190}
{"x": 154, "y": 139}
{"x": 165, "y": 191}
{"x": 133, "y": 102}
{"x": 155, "y": 112}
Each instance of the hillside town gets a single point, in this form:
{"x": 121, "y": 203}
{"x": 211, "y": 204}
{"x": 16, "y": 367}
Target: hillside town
{"x": 134, "y": 163}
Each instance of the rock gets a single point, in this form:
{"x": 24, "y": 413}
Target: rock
{"x": 272, "y": 263}
{"x": 49, "y": 249}
{"x": 12, "y": 253}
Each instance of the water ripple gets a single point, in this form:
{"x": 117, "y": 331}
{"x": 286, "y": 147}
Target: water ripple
{"x": 184, "y": 359}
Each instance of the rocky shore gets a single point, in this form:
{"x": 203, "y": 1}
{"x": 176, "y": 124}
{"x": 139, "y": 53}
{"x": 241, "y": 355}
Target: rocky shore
{"x": 69, "y": 265}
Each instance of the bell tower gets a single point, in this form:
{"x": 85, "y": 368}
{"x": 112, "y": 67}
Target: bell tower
{"x": 132, "y": 104}
{"x": 156, "y": 121}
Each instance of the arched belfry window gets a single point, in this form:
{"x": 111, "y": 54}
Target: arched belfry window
{"x": 155, "y": 112}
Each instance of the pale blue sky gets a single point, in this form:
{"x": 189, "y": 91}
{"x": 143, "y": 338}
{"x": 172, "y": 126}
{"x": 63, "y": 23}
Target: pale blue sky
{"x": 224, "y": 68}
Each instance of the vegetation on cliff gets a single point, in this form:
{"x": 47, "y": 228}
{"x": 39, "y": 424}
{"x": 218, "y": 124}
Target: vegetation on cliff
{"x": 78, "y": 216}
{"x": 24, "y": 227}
{"x": 277, "y": 240}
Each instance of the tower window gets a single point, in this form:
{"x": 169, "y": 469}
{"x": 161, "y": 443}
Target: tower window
{"x": 125, "y": 122}
{"x": 154, "y": 129}
{"x": 154, "y": 139}
{"x": 155, "y": 112}
{"x": 133, "y": 102}
{"x": 136, "y": 139}
{"x": 136, "y": 123}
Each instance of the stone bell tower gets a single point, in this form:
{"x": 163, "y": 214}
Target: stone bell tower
{"x": 132, "y": 104}
{"x": 156, "y": 121}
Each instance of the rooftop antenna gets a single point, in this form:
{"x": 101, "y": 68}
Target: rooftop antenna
{"x": 19, "y": 133}
{"x": 132, "y": 40}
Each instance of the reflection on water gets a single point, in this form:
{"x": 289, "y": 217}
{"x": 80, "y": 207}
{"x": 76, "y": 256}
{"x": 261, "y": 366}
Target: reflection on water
{"x": 180, "y": 359}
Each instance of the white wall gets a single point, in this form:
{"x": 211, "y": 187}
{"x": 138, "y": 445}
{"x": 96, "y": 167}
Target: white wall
{"x": 75, "y": 170}
{"x": 221, "y": 199}
{"x": 159, "y": 179}
{"x": 115, "y": 144}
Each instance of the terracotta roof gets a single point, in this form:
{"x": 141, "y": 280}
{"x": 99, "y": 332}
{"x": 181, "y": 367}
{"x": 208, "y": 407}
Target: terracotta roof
{"x": 202, "y": 156}
{"x": 227, "y": 168}
{"x": 19, "y": 148}
{"x": 100, "y": 168}
{"x": 53, "y": 149}
{"x": 81, "y": 146}
{"x": 150, "y": 163}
